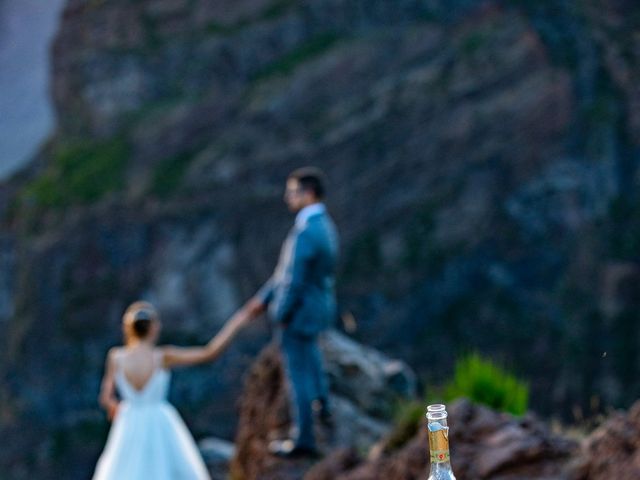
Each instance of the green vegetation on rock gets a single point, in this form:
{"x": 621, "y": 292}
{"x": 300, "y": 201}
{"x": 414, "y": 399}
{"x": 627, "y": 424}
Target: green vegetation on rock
{"x": 476, "y": 379}
{"x": 80, "y": 173}
{"x": 482, "y": 381}
{"x": 305, "y": 52}
{"x": 474, "y": 42}
{"x": 169, "y": 174}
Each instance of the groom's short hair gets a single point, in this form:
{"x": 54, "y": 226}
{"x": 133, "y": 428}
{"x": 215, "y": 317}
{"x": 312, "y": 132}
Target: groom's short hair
{"x": 310, "y": 179}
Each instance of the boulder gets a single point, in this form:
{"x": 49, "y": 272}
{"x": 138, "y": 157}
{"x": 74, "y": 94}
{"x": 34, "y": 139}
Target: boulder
{"x": 355, "y": 373}
{"x": 612, "y": 450}
{"x": 217, "y": 454}
{"x": 368, "y": 378}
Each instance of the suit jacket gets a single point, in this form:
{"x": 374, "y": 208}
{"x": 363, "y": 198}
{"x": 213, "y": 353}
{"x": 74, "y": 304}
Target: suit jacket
{"x": 301, "y": 292}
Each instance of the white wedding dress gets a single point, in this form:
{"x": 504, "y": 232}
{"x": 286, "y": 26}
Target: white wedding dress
{"x": 148, "y": 439}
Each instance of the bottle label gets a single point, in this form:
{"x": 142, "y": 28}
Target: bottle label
{"x": 439, "y": 445}
{"x": 439, "y": 456}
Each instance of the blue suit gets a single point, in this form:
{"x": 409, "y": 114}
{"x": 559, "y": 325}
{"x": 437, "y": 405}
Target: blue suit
{"x": 301, "y": 302}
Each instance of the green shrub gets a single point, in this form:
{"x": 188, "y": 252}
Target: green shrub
{"x": 484, "y": 382}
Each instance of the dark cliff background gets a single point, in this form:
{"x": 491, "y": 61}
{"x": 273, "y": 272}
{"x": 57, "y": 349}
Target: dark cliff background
{"x": 483, "y": 160}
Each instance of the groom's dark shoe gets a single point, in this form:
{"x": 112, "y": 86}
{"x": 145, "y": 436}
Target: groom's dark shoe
{"x": 323, "y": 414}
{"x": 288, "y": 449}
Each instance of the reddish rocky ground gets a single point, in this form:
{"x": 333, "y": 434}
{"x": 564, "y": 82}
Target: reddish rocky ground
{"x": 484, "y": 444}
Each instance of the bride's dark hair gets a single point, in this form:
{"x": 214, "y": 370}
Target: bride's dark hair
{"x": 138, "y": 319}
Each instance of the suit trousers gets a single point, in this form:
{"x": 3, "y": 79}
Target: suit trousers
{"x": 307, "y": 381}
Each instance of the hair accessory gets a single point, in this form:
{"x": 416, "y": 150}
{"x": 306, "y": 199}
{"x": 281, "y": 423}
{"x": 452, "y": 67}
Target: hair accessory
{"x": 142, "y": 315}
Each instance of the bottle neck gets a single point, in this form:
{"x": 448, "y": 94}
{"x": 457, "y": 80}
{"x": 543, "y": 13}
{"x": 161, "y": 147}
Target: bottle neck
{"x": 440, "y": 468}
{"x": 439, "y": 447}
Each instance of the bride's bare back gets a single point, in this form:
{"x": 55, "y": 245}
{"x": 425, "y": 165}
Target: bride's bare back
{"x": 138, "y": 364}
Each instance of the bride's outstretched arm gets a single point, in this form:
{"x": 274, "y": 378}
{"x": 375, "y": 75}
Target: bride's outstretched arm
{"x": 177, "y": 356}
{"x": 107, "y": 398}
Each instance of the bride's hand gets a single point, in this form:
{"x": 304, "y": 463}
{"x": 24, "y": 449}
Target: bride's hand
{"x": 112, "y": 410}
{"x": 241, "y": 318}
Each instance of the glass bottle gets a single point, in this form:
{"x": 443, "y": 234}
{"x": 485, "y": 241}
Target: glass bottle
{"x": 439, "y": 443}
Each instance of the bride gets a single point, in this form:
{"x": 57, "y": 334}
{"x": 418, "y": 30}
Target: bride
{"x": 148, "y": 439}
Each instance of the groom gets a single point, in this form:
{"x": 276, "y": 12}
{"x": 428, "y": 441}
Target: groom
{"x": 300, "y": 299}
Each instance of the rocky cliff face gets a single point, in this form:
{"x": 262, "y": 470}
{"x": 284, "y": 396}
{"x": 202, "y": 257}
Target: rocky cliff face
{"x": 482, "y": 157}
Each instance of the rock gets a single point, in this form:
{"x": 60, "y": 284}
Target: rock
{"x": 474, "y": 151}
{"x": 264, "y": 412}
{"x": 331, "y": 468}
{"x": 353, "y": 427}
{"x": 217, "y": 454}
{"x": 484, "y": 445}
{"x": 612, "y": 450}
{"x": 216, "y": 449}
{"x": 371, "y": 380}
